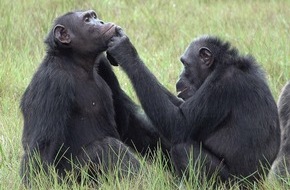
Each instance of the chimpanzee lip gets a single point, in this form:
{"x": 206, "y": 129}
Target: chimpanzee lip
{"x": 181, "y": 91}
{"x": 112, "y": 25}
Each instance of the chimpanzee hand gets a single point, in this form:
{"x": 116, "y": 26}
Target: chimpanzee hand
{"x": 120, "y": 50}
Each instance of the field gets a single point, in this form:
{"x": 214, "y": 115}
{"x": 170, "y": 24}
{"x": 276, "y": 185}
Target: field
{"x": 160, "y": 31}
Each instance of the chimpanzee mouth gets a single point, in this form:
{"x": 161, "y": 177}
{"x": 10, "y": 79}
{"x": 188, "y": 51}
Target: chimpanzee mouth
{"x": 180, "y": 92}
{"x": 110, "y": 28}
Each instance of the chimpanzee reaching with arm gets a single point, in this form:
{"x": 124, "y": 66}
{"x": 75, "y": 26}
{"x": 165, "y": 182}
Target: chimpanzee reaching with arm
{"x": 227, "y": 116}
{"x": 134, "y": 127}
{"x": 74, "y": 106}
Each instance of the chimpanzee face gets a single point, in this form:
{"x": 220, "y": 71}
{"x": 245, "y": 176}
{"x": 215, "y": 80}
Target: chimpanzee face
{"x": 196, "y": 62}
{"x": 83, "y": 32}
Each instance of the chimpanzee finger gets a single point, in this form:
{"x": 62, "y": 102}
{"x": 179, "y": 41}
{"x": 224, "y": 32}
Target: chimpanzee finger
{"x": 119, "y": 31}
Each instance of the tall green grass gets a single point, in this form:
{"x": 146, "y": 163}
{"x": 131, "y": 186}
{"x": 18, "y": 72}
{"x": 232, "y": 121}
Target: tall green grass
{"x": 160, "y": 30}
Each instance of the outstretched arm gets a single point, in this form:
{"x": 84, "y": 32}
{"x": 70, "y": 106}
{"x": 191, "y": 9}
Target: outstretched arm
{"x": 175, "y": 120}
{"x": 159, "y": 104}
{"x": 134, "y": 126}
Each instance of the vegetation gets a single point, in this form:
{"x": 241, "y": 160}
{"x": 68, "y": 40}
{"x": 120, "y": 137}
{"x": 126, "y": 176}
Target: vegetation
{"x": 160, "y": 30}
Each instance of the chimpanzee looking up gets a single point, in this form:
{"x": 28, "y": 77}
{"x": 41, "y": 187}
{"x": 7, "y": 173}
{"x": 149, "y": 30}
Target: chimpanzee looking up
{"x": 281, "y": 166}
{"x": 74, "y": 106}
{"x": 227, "y": 116}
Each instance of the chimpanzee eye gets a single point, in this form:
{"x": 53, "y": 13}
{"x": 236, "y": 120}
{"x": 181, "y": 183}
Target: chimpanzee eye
{"x": 87, "y": 19}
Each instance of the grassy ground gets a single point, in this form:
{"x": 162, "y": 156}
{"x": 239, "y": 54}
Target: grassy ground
{"x": 160, "y": 30}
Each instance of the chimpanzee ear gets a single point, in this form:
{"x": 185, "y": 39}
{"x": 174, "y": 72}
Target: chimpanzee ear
{"x": 61, "y": 34}
{"x": 206, "y": 56}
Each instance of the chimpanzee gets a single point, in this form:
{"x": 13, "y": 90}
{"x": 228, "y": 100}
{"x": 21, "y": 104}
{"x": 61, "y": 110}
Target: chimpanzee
{"x": 226, "y": 118}
{"x": 281, "y": 166}
{"x": 74, "y": 109}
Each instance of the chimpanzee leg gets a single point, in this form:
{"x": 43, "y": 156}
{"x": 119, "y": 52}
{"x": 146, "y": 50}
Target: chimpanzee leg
{"x": 108, "y": 155}
{"x": 182, "y": 154}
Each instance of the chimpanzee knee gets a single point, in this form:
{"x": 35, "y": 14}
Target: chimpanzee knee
{"x": 186, "y": 156}
{"x": 110, "y": 154}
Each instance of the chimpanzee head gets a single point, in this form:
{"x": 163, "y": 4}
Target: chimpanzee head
{"x": 199, "y": 60}
{"x": 80, "y": 32}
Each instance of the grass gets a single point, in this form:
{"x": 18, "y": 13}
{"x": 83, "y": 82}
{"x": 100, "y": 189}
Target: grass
{"x": 160, "y": 30}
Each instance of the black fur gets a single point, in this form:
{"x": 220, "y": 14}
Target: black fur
{"x": 228, "y": 115}
{"x": 281, "y": 166}
{"x": 74, "y": 108}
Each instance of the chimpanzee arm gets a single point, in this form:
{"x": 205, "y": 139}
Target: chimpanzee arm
{"x": 134, "y": 127}
{"x": 209, "y": 106}
{"x": 167, "y": 116}
{"x": 122, "y": 103}
{"x": 46, "y": 105}
{"x": 164, "y": 114}
{"x": 104, "y": 69}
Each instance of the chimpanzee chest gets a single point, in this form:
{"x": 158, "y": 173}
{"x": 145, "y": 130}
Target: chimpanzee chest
{"x": 95, "y": 98}
{"x": 93, "y": 114}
